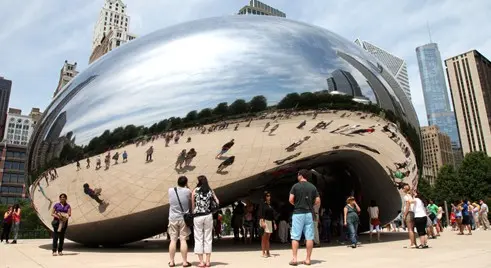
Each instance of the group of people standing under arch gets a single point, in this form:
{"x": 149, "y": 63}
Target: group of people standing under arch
{"x": 191, "y": 214}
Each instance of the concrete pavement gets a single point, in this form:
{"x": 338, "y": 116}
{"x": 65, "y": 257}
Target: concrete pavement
{"x": 446, "y": 251}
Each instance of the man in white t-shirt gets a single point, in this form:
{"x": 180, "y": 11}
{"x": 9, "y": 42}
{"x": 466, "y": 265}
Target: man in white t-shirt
{"x": 177, "y": 228}
{"x": 409, "y": 214}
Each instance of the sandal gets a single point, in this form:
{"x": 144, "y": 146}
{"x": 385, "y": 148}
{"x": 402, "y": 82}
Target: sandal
{"x": 187, "y": 264}
{"x": 293, "y": 263}
{"x": 208, "y": 265}
{"x": 306, "y": 263}
{"x": 171, "y": 265}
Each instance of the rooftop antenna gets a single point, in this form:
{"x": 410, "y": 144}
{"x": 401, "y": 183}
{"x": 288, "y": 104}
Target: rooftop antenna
{"x": 429, "y": 31}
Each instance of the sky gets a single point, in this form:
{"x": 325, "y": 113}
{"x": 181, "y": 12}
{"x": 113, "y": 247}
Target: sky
{"x": 37, "y": 36}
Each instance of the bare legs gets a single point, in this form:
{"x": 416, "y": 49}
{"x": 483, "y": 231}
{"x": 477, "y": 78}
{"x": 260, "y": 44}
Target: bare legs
{"x": 309, "y": 245}
{"x": 206, "y": 261}
{"x": 410, "y": 230}
{"x": 183, "y": 249}
{"x": 265, "y": 245}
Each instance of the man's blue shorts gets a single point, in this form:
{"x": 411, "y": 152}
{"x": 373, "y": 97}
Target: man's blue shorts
{"x": 302, "y": 223}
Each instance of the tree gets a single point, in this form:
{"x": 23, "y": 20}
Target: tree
{"x": 205, "y": 113}
{"x": 425, "y": 188}
{"x": 475, "y": 176}
{"x": 289, "y": 101}
{"x": 258, "y": 103}
{"x": 308, "y": 100}
{"x": 447, "y": 187}
{"x": 191, "y": 116}
{"x": 239, "y": 107}
{"x": 221, "y": 109}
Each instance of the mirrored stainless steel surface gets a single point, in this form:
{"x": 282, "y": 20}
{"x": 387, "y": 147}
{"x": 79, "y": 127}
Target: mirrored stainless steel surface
{"x": 289, "y": 94}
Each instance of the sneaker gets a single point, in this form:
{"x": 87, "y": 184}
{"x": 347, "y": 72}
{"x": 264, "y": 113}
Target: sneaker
{"x": 13, "y": 242}
{"x": 54, "y": 253}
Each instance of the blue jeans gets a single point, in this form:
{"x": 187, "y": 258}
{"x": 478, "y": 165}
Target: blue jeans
{"x": 352, "y": 231}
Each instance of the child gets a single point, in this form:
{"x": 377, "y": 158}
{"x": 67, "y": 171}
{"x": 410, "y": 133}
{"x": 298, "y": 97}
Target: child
{"x": 453, "y": 221}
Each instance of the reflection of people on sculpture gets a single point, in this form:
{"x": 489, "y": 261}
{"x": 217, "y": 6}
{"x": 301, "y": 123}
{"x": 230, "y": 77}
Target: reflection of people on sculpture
{"x": 180, "y": 159}
{"x": 189, "y": 157}
{"x": 402, "y": 165}
{"x": 339, "y": 128}
{"x": 302, "y": 124}
{"x": 61, "y": 212}
{"x": 116, "y": 158}
{"x": 125, "y": 157}
{"x": 320, "y": 125}
{"x": 167, "y": 140}
{"x": 78, "y": 165}
{"x": 176, "y": 138}
{"x": 294, "y": 145}
{"x": 40, "y": 188}
{"x": 249, "y": 124}
{"x": 362, "y": 131}
{"x": 107, "y": 160}
{"x": 281, "y": 161}
{"x": 53, "y": 173}
{"x": 189, "y": 140}
{"x": 225, "y": 148}
{"x": 93, "y": 193}
{"x": 273, "y": 129}
{"x": 266, "y": 126}
{"x": 98, "y": 162}
{"x": 88, "y": 163}
{"x": 149, "y": 153}
{"x": 236, "y": 127}
{"x": 229, "y": 161}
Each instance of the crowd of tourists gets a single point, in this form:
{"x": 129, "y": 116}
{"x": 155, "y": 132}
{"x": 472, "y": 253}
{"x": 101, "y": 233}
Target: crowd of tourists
{"x": 427, "y": 218}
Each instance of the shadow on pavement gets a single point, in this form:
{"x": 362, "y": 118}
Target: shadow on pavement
{"x": 222, "y": 245}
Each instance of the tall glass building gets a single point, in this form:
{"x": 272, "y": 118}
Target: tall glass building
{"x": 437, "y": 103}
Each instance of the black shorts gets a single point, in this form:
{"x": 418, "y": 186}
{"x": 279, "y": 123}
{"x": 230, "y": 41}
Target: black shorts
{"x": 466, "y": 220}
{"x": 420, "y": 223}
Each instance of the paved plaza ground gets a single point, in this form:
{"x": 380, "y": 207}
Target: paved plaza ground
{"x": 446, "y": 251}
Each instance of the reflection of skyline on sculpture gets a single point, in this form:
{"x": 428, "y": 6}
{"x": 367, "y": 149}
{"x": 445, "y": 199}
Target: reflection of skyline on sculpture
{"x": 247, "y": 66}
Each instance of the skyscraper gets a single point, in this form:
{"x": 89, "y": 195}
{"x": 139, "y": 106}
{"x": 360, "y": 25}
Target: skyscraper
{"x": 111, "y": 29}
{"x": 67, "y": 73}
{"x": 438, "y": 107}
{"x": 469, "y": 78}
{"x": 437, "y": 149}
{"x": 343, "y": 81}
{"x": 396, "y": 66}
{"x": 5, "y": 87}
{"x": 258, "y": 8}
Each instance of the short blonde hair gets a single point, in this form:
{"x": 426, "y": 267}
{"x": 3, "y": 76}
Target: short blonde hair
{"x": 351, "y": 198}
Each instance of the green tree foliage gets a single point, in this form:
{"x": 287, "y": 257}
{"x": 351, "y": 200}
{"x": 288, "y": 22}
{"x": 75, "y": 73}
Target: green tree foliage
{"x": 258, "y": 104}
{"x": 191, "y": 116}
{"x": 221, "y": 109}
{"x": 239, "y": 106}
{"x": 205, "y": 113}
{"x": 472, "y": 180}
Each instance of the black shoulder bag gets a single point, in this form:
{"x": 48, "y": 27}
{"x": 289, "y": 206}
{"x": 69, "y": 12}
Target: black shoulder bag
{"x": 214, "y": 206}
{"x": 188, "y": 217}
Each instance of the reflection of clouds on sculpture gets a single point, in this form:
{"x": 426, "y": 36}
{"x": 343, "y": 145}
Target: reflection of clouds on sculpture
{"x": 210, "y": 64}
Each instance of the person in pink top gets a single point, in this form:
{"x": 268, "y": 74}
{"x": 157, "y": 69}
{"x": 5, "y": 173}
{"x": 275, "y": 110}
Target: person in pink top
{"x": 16, "y": 221}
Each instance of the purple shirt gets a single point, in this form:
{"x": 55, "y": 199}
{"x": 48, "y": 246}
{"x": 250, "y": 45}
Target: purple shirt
{"x": 60, "y": 208}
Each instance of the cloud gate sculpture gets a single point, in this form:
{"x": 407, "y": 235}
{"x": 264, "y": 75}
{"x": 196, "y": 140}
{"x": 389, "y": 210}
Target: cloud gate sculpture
{"x": 290, "y": 95}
